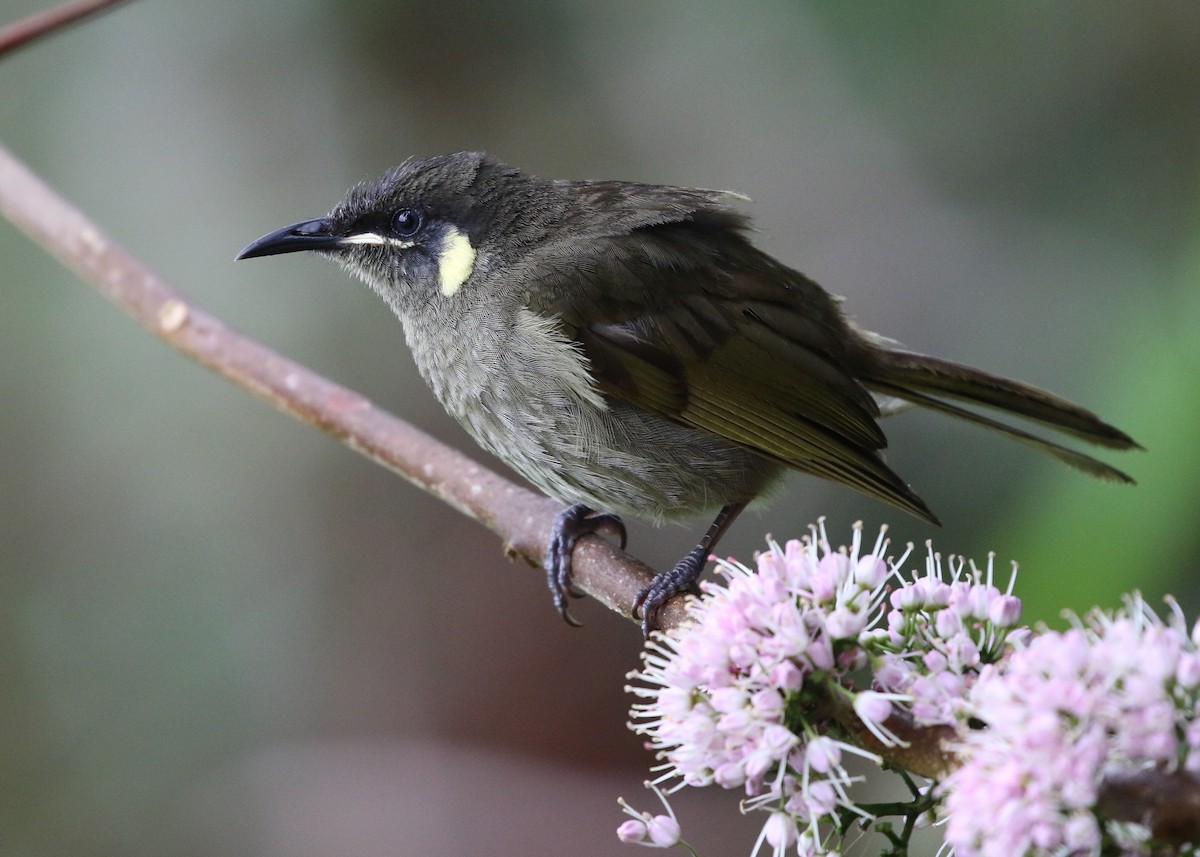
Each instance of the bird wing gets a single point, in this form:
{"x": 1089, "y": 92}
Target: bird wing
{"x": 680, "y": 315}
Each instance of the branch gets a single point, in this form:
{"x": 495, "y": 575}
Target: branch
{"x": 1168, "y": 804}
{"x": 49, "y": 21}
{"x": 926, "y": 749}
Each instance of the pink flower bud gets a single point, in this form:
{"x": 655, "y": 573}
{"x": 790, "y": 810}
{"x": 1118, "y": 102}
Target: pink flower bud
{"x": 870, "y": 572}
{"x": 780, "y": 831}
{"x": 872, "y": 707}
{"x": 843, "y": 624}
{"x": 947, "y": 623}
{"x": 823, "y": 754}
{"x": 664, "y": 831}
{"x": 1004, "y": 611}
{"x": 632, "y": 831}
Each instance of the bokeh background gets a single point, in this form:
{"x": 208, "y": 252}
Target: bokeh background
{"x": 223, "y": 633}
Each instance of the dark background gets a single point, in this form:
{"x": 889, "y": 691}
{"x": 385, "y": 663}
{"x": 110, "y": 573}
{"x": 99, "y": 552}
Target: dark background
{"x": 223, "y": 633}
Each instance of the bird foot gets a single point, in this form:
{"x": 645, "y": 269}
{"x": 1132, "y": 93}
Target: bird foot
{"x": 667, "y": 584}
{"x": 570, "y": 525}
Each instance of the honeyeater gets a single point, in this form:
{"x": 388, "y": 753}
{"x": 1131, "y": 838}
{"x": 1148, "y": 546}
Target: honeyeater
{"x": 629, "y": 351}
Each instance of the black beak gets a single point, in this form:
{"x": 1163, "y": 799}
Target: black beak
{"x": 309, "y": 235}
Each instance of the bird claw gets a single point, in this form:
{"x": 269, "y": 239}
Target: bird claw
{"x": 570, "y": 525}
{"x": 666, "y": 585}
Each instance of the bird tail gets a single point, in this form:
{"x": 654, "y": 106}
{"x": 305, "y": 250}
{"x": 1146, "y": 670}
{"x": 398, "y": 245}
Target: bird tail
{"x": 929, "y": 381}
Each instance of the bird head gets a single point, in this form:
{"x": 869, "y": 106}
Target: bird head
{"x": 420, "y": 231}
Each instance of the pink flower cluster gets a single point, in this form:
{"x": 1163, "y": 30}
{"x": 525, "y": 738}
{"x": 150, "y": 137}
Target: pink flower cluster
{"x": 1041, "y": 719}
{"x": 715, "y": 693}
{"x": 1115, "y": 693}
{"x": 940, "y": 633}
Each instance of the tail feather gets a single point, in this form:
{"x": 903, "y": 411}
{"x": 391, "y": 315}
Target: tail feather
{"x": 927, "y": 381}
{"x": 905, "y": 372}
{"x": 1078, "y": 460}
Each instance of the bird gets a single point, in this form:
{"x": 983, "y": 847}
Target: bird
{"x": 627, "y": 349}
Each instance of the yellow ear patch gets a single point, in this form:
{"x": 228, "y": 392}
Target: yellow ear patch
{"x": 456, "y": 261}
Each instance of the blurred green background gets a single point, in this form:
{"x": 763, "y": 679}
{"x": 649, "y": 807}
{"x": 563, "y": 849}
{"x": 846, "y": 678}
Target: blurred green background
{"x": 222, "y": 633}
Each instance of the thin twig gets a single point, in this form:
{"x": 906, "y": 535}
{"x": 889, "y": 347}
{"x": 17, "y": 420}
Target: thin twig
{"x": 49, "y": 21}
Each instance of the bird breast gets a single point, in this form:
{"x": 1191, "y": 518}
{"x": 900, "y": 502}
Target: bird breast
{"x": 525, "y": 393}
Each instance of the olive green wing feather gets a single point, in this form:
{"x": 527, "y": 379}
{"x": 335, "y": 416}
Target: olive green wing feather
{"x": 742, "y": 392}
{"x": 684, "y": 318}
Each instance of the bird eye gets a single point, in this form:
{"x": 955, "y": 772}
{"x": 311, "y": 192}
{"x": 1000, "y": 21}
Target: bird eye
{"x": 407, "y": 222}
